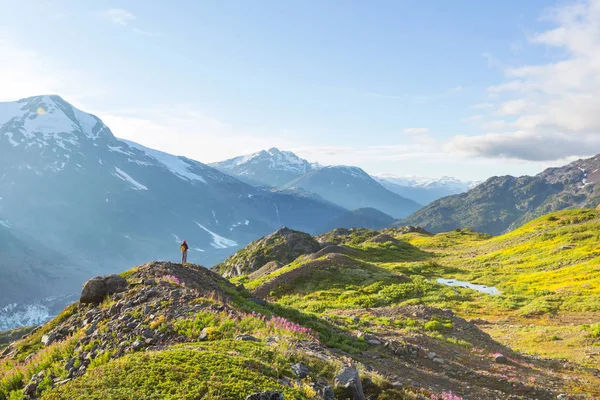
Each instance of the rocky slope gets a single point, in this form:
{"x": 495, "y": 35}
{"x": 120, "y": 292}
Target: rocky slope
{"x": 271, "y": 167}
{"x": 358, "y": 319}
{"x": 282, "y": 246}
{"x": 85, "y": 202}
{"x": 353, "y": 188}
{"x": 503, "y": 203}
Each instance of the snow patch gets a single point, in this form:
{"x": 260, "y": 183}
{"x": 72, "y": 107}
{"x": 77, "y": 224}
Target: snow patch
{"x": 219, "y": 242}
{"x": 125, "y": 177}
{"x": 118, "y": 149}
{"x": 177, "y": 165}
{"x": 10, "y": 139}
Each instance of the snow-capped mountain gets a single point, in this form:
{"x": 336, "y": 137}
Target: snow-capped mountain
{"x": 424, "y": 190}
{"x": 76, "y": 201}
{"x": 353, "y": 188}
{"x": 271, "y": 167}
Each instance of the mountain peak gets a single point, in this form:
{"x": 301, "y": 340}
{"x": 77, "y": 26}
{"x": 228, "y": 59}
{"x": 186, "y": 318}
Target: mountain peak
{"x": 272, "y": 167}
{"x": 48, "y": 120}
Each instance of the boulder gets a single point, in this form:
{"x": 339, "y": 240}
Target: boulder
{"x": 300, "y": 370}
{"x": 96, "y": 289}
{"x": 500, "y": 359}
{"x": 50, "y": 338}
{"x": 349, "y": 378}
{"x": 266, "y": 395}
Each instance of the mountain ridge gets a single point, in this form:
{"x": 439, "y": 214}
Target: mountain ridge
{"x": 503, "y": 203}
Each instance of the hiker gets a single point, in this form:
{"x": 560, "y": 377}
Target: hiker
{"x": 184, "y": 248}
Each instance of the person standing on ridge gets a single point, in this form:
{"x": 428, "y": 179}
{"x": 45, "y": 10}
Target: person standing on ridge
{"x": 184, "y": 249}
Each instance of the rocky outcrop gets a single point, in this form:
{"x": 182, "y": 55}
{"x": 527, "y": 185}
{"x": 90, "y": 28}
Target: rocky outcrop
{"x": 283, "y": 246}
{"x": 96, "y": 289}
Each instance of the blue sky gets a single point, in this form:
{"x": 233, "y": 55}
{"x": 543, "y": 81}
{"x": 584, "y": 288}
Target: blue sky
{"x": 428, "y": 88}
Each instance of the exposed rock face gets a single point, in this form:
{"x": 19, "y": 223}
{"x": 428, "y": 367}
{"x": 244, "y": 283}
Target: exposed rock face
{"x": 96, "y": 289}
{"x": 350, "y": 379}
{"x": 284, "y": 246}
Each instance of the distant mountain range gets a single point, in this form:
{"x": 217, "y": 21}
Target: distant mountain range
{"x": 503, "y": 203}
{"x": 76, "y": 201}
{"x": 424, "y": 190}
{"x": 277, "y": 168}
{"x": 353, "y": 188}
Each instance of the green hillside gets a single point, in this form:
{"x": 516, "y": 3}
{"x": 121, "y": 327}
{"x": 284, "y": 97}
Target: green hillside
{"x": 361, "y": 301}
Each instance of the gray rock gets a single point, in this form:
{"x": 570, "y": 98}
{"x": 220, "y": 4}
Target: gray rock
{"x": 137, "y": 345}
{"x": 439, "y": 360}
{"x": 203, "y": 334}
{"x": 374, "y": 342}
{"x": 349, "y": 378}
{"x": 96, "y": 289}
{"x": 300, "y": 370}
{"x": 245, "y": 336}
{"x": 267, "y": 395}
{"x": 324, "y": 391}
{"x": 431, "y": 355}
{"x": 30, "y": 390}
{"x": 500, "y": 359}
{"x": 49, "y": 338}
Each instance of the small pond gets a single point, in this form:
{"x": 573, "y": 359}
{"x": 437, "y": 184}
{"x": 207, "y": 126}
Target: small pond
{"x": 479, "y": 288}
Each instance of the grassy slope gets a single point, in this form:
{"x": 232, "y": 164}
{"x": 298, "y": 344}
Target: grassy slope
{"x": 528, "y": 265}
{"x": 548, "y": 268}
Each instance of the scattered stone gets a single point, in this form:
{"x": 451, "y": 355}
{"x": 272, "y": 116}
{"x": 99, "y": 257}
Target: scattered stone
{"x": 245, "y": 336}
{"x": 324, "y": 391}
{"x": 267, "y": 395}
{"x": 300, "y": 370}
{"x": 374, "y": 342}
{"x": 203, "y": 334}
{"x": 439, "y": 360}
{"x": 431, "y": 355}
{"x": 501, "y": 359}
{"x": 350, "y": 379}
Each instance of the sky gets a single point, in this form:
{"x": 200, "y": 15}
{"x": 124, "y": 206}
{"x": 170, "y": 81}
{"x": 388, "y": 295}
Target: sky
{"x": 463, "y": 88}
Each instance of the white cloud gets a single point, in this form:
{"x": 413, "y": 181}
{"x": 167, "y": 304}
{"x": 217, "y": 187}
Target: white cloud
{"x": 119, "y": 16}
{"x": 556, "y": 107}
{"x": 415, "y": 131}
